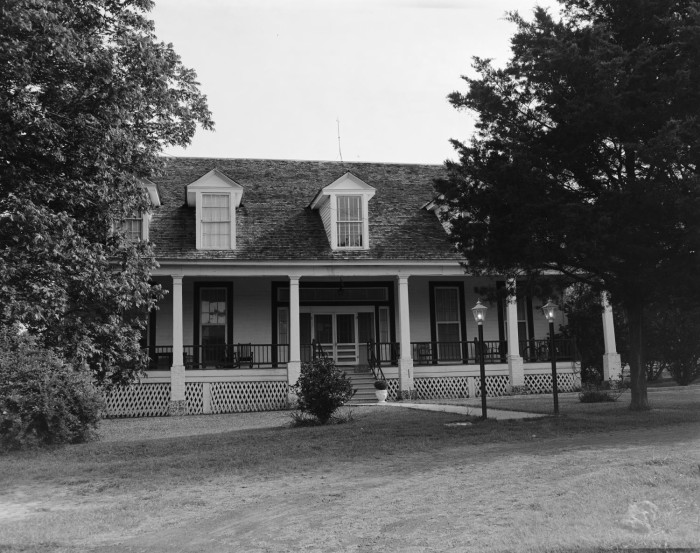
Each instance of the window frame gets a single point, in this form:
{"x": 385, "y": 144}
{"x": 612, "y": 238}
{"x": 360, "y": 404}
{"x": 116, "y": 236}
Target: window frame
{"x": 200, "y": 239}
{"x": 203, "y": 221}
{"x": 352, "y": 224}
{"x": 196, "y": 326}
{"x": 461, "y": 312}
{"x": 361, "y": 222}
{"x": 129, "y": 232}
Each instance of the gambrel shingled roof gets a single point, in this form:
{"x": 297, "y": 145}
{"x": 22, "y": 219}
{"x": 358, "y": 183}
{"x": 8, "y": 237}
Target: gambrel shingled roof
{"x": 274, "y": 221}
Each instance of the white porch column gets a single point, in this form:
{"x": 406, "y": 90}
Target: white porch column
{"x": 294, "y": 363}
{"x": 515, "y": 362}
{"x": 406, "y": 354}
{"x": 177, "y": 405}
{"x": 612, "y": 365}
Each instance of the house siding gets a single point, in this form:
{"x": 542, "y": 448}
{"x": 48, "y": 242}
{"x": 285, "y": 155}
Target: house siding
{"x": 325, "y": 211}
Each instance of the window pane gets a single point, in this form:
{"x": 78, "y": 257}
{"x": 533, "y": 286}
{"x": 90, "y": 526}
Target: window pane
{"x": 384, "y": 324}
{"x": 283, "y": 325}
{"x": 345, "y": 329}
{"x": 449, "y": 347}
{"x": 215, "y": 207}
{"x": 349, "y": 208}
{"x": 522, "y": 309}
{"x": 365, "y": 326}
{"x": 446, "y": 305}
{"x": 323, "y": 328}
{"x": 216, "y": 235}
{"x": 132, "y": 228}
{"x": 215, "y": 200}
{"x": 213, "y": 306}
{"x": 349, "y": 235}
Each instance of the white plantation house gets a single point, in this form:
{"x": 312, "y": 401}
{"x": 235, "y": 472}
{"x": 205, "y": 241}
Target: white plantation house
{"x": 268, "y": 263}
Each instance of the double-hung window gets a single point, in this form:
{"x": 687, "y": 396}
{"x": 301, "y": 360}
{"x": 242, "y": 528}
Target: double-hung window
{"x": 350, "y": 222}
{"x": 133, "y": 227}
{"x": 447, "y": 322}
{"x": 216, "y": 221}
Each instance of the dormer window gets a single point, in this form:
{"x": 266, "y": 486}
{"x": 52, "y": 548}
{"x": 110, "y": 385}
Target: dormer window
{"x": 344, "y": 209}
{"x": 350, "y": 222}
{"x": 136, "y": 226}
{"x": 215, "y": 198}
{"x": 133, "y": 228}
{"x": 216, "y": 222}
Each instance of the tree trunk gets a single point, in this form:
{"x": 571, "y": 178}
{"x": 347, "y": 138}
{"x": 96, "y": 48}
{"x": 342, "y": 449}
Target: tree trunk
{"x": 638, "y": 380}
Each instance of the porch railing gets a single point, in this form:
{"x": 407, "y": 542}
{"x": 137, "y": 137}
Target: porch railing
{"x": 381, "y": 354}
{"x": 262, "y": 356}
{"x": 160, "y": 358}
{"x": 433, "y": 353}
{"x": 223, "y": 356}
{"x": 540, "y": 350}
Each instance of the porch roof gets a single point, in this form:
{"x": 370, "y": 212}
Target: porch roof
{"x": 275, "y": 223}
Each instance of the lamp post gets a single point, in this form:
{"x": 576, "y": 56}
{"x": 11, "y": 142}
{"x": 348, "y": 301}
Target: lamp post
{"x": 479, "y": 311}
{"x": 550, "y": 310}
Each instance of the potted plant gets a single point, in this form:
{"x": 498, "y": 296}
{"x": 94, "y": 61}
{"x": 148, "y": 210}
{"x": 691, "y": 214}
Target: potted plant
{"x": 380, "y": 390}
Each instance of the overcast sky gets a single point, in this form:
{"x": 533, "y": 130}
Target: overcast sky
{"x": 282, "y": 75}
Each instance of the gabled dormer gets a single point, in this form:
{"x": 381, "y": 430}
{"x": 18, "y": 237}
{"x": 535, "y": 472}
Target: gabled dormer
{"x": 344, "y": 209}
{"x": 215, "y": 198}
{"x": 153, "y": 192}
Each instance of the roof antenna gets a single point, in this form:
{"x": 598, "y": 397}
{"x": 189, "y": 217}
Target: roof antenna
{"x": 340, "y": 153}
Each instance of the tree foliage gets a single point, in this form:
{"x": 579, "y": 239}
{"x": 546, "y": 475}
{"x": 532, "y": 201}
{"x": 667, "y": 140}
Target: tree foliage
{"x": 43, "y": 401}
{"x": 88, "y": 100}
{"x": 672, "y": 331}
{"x": 585, "y": 158}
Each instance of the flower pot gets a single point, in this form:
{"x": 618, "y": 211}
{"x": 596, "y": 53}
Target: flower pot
{"x": 381, "y": 395}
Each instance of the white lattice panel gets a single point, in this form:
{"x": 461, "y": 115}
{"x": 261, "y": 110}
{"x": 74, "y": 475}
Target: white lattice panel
{"x": 498, "y": 385}
{"x": 393, "y": 388}
{"x": 194, "y": 396}
{"x": 567, "y": 382}
{"x": 139, "y": 400}
{"x": 235, "y": 397}
{"x": 442, "y": 388}
{"x": 542, "y": 383}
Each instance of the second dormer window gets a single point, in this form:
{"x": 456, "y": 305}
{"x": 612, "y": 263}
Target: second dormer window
{"x": 350, "y": 222}
{"x": 133, "y": 227}
{"x": 216, "y": 221}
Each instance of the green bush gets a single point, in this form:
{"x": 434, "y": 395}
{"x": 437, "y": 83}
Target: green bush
{"x": 322, "y": 388}
{"x": 381, "y": 385}
{"x": 42, "y": 400}
{"x": 594, "y": 393}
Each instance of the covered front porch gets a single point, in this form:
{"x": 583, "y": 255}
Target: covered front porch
{"x": 235, "y": 342}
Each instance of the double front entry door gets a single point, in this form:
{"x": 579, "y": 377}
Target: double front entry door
{"x": 342, "y": 335}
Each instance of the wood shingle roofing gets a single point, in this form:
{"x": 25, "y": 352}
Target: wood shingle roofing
{"x": 274, "y": 221}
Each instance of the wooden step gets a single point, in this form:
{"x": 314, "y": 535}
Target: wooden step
{"x": 363, "y": 382}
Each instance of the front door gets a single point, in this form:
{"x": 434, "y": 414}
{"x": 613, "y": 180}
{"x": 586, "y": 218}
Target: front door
{"x": 336, "y": 332}
{"x": 342, "y": 334}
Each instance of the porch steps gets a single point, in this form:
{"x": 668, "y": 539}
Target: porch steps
{"x": 363, "y": 382}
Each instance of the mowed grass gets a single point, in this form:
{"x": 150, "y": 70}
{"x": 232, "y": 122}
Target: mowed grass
{"x": 390, "y": 480}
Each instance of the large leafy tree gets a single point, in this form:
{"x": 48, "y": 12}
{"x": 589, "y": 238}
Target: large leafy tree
{"x": 585, "y": 157}
{"x": 88, "y": 99}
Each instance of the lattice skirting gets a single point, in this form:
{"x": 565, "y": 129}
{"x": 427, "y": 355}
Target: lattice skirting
{"x": 236, "y": 397}
{"x": 542, "y": 383}
{"x": 194, "y": 397}
{"x": 442, "y": 388}
{"x": 139, "y": 400}
{"x": 393, "y": 388}
{"x": 152, "y": 400}
{"x": 498, "y": 385}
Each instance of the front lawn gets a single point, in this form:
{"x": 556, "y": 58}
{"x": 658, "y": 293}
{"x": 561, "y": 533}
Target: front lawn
{"x": 390, "y": 480}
